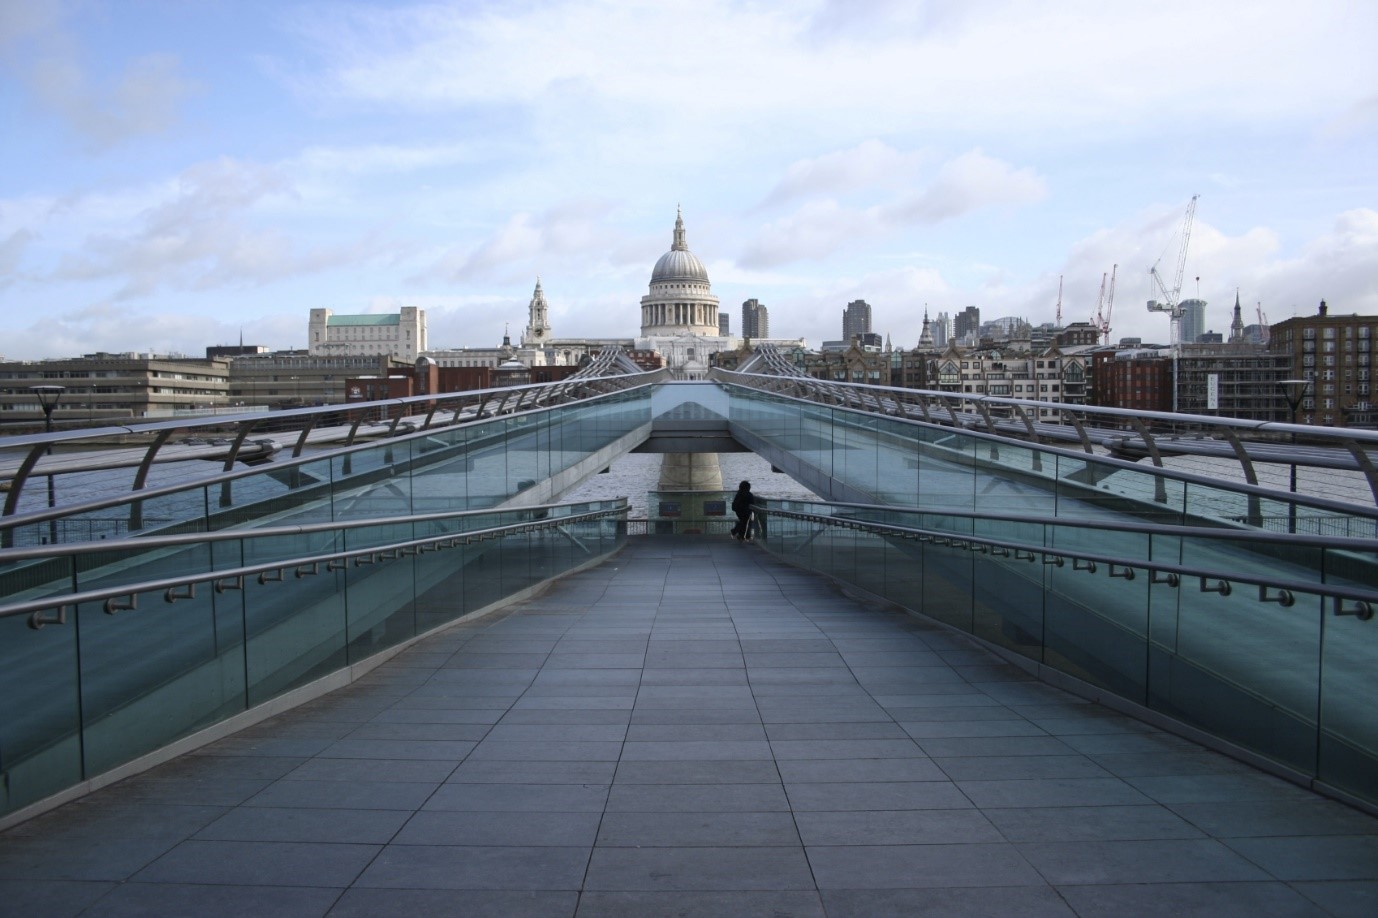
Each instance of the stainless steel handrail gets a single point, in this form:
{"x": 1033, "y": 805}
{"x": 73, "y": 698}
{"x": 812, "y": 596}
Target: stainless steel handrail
{"x": 1348, "y": 448}
{"x": 1150, "y": 528}
{"x": 1367, "y": 600}
{"x": 63, "y": 549}
{"x": 16, "y": 520}
{"x": 1059, "y": 450}
{"x": 35, "y": 607}
{"x": 486, "y": 403}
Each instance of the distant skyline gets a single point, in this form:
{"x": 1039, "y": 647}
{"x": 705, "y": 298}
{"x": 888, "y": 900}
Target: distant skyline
{"x": 175, "y": 173}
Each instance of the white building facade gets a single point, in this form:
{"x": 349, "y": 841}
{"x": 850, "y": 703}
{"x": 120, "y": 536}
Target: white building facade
{"x": 401, "y": 336}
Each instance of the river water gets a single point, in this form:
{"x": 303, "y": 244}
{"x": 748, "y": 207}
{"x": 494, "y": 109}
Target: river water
{"x": 636, "y": 474}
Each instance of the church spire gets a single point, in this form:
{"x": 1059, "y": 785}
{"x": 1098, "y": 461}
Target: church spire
{"x": 1237, "y": 326}
{"x": 679, "y": 244}
{"x": 538, "y": 318}
{"x": 926, "y": 335}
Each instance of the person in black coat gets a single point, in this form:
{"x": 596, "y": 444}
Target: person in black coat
{"x": 741, "y": 505}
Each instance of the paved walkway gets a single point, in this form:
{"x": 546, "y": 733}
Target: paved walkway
{"x": 696, "y": 729}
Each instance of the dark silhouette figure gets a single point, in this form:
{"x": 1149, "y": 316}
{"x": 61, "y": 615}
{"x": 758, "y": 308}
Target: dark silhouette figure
{"x": 741, "y": 505}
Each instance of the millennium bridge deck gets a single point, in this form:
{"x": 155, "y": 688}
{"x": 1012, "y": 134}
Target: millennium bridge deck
{"x": 694, "y": 727}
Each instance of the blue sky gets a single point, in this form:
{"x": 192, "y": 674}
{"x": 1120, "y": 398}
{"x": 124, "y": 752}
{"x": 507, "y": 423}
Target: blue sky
{"x": 175, "y": 172}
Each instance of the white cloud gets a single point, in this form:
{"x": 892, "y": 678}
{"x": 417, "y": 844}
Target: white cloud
{"x": 11, "y": 251}
{"x": 993, "y": 67}
{"x": 104, "y": 109}
{"x": 195, "y": 235}
{"x": 967, "y": 183}
{"x": 527, "y": 242}
{"x": 870, "y": 164}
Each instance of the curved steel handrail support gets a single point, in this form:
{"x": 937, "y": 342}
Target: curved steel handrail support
{"x": 12, "y": 521}
{"x": 172, "y": 585}
{"x": 818, "y": 392}
{"x": 1115, "y": 563}
{"x": 1346, "y": 448}
{"x": 243, "y": 425}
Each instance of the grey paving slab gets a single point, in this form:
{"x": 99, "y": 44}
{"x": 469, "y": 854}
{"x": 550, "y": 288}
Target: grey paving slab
{"x": 1106, "y": 862}
{"x": 137, "y": 900}
{"x": 412, "y": 771}
{"x": 1044, "y": 792}
{"x": 678, "y": 751}
{"x": 363, "y": 795}
{"x": 636, "y": 830}
{"x": 302, "y": 824}
{"x": 1090, "y": 823}
{"x": 536, "y": 798}
{"x": 256, "y": 863}
{"x": 691, "y": 676}
{"x": 1206, "y": 900}
{"x": 1331, "y": 857}
{"x": 898, "y": 827}
{"x": 498, "y": 772}
{"x": 1172, "y": 789}
{"x": 456, "y": 903}
{"x": 690, "y": 868}
{"x": 1273, "y": 818}
{"x": 57, "y": 898}
{"x": 697, "y": 904}
{"x": 859, "y": 770}
{"x": 754, "y": 771}
{"x": 477, "y": 867}
{"x": 649, "y": 737}
{"x": 650, "y": 733}
{"x": 1357, "y": 899}
{"x": 697, "y": 798}
{"x": 522, "y": 828}
{"x": 997, "y": 767}
{"x": 962, "y": 902}
{"x": 876, "y": 795}
{"x": 424, "y": 732}
{"x": 919, "y": 866}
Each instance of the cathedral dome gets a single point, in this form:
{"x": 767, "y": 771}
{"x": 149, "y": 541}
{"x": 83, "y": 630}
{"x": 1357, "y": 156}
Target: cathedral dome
{"x": 679, "y": 263}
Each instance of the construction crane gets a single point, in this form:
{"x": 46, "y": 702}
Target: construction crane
{"x": 1058, "y": 320}
{"x": 1263, "y": 324}
{"x": 1105, "y": 304}
{"x": 1169, "y": 302}
{"x": 1099, "y": 317}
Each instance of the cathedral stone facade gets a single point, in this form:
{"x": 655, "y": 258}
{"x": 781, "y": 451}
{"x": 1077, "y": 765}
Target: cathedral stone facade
{"x": 681, "y": 300}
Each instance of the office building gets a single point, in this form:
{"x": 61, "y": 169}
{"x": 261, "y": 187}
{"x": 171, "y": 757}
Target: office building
{"x": 966, "y": 325}
{"x": 856, "y": 320}
{"x": 1193, "y": 320}
{"x": 401, "y": 336}
{"x": 755, "y": 320}
{"x": 1336, "y": 353}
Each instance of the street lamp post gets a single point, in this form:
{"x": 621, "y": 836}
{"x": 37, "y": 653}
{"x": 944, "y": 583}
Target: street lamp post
{"x": 48, "y": 397}
{"x": 1294, "y": 391}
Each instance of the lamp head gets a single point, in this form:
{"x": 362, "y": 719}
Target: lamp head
{"x": 48, "y": 396}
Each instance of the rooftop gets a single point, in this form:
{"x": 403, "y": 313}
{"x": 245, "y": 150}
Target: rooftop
{"x": 365, "y": 320}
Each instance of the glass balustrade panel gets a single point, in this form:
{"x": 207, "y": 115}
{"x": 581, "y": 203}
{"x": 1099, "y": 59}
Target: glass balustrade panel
{"x": 40, "y": 709}
{"x": 1349, "y": 660}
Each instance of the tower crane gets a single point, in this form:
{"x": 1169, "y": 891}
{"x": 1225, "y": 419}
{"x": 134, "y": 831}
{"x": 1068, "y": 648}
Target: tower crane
{"x": 1169, "y": 302}
{"x": 1099, "y": 318}
{"x": 1105, "y": 304}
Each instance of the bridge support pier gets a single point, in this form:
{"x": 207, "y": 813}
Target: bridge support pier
{"x": 690, "y": 472}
